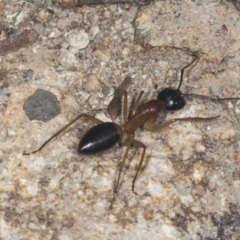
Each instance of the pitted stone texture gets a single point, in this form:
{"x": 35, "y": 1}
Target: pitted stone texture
{"x": 208, "y": 27}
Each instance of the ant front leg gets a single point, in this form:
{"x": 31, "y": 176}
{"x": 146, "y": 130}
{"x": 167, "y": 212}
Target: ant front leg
{"x": 136, "y": 103}
{"x": 134, "y": 107}
{"x": 91, "y": 118}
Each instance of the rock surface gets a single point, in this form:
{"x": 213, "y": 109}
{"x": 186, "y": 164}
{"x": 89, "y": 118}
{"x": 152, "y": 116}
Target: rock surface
{"x": 189, "y": 188}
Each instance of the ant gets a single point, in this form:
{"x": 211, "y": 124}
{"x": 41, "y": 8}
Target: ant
{"x": 104, "y": 135}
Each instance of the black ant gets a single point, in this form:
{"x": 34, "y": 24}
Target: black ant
{"x": 105, "y": 135}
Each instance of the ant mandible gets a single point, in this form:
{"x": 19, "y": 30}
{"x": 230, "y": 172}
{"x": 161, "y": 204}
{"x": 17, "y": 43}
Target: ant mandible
{"x": 105, "y": 135}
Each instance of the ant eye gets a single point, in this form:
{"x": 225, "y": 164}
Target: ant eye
{"x": 173, "y": 99}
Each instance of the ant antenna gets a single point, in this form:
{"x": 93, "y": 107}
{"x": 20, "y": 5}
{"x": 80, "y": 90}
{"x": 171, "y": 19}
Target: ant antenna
{"x": 182, "y": 71}
{"x": 211, "y": 98}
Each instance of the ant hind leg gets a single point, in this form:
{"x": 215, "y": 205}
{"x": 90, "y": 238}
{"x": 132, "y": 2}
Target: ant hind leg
{"x": 91, "y": 118}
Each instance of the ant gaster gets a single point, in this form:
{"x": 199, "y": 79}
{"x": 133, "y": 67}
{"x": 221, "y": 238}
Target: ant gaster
{"x": 105, "y": 135}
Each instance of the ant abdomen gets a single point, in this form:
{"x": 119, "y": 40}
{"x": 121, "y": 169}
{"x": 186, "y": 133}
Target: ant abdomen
{"x": 173, "y": 99}
{"x": 99, "y": 138}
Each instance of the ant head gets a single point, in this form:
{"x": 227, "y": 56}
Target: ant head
{"x": 172, "y": 98}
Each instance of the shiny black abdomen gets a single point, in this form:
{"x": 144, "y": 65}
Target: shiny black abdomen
{"x": 99, "y": 138}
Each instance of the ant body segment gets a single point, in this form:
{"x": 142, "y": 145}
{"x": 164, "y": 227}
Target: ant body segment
{"x": 104, "y": 135}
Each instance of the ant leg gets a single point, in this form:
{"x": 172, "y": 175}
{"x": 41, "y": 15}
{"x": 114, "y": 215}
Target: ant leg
{"x": 141, "y": 145}
{"x": 136, "y": 103}
{"x": 127, "y": 143}
{"x": 91, "y": 118}
{"x": 130, "y": 141}
{"x": 182, "y": 71}
{"x": 213, "y": 99}
{"x": 167, "y": 123}
{"x": 125, "y": 103}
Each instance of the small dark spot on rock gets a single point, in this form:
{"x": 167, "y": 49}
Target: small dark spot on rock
{"x": 180, "y": 221}
{"x": 42, "y": 105}
{"x": 27, "y": 74}
{"x": 74, "y": 24}
{"x": 224, "y": 28}
{"x": 82, "y": 55}
{"x": 227, "y": 224}
{"x": 105, "y": 90}
{"x": 50, "y": 11}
